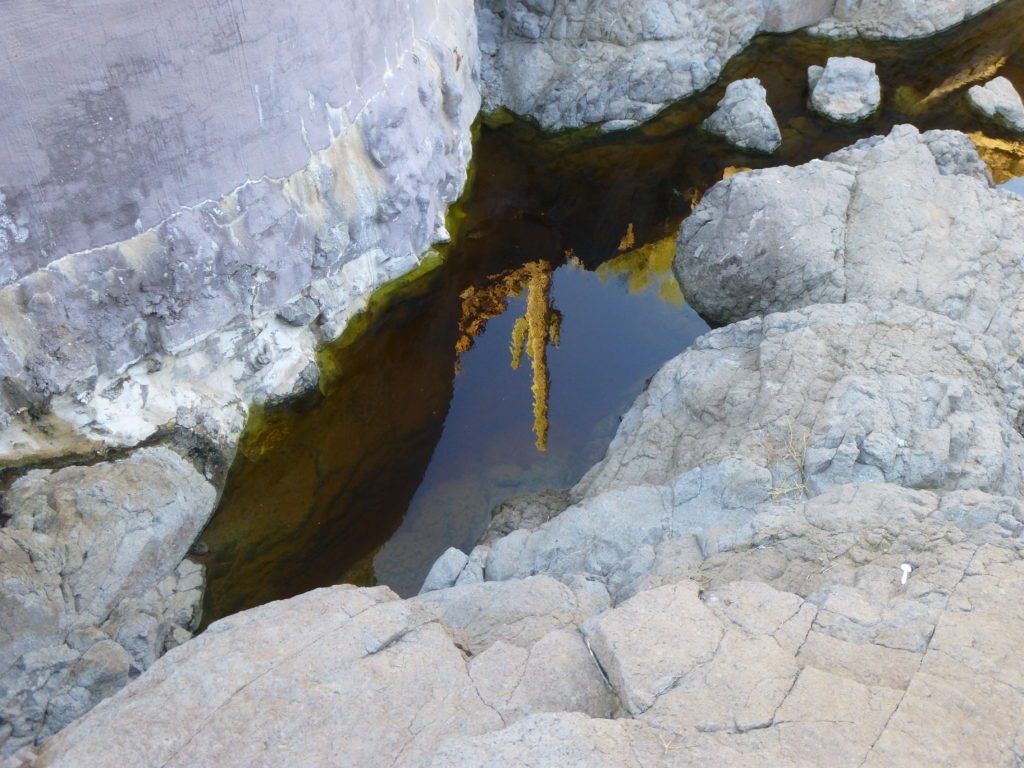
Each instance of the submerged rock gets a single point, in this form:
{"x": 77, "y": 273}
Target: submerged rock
{"x": 744, "y": 118}
{"x": 846, "y": 89}
{"x": 999, "y": 101}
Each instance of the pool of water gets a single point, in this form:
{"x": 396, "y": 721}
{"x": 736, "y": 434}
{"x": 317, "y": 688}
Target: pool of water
{"x": 488, "y": 448}
{"x": 423, "y": 424}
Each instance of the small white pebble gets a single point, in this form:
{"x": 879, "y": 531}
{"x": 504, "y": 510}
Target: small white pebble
{"x": 906, "y": 568}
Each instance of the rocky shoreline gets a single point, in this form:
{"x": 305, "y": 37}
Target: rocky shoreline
{"x": 568, "y": 64}
{"x": 804, "y": 539}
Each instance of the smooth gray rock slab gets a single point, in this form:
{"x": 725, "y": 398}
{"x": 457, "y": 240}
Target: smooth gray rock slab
{"x": 116, "y": 119}
{"x": 339, "y": 676}
{"x": 744, "y": 118}
{"x": 95, "y": 583}
{"x": 846, "y": 89}
{"x": 560, "y": 740}
{"x": 998, "y": 100}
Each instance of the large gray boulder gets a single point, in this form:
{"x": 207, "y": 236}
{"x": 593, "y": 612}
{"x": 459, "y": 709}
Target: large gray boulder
{"x": 95, "y": 583}
{"x": 194, "y": 198}
{"x": 846, "y": 89}
{"x": 744, "y": 118}
{"x": 910, "y": 217}
{"x": 998, "y": 100}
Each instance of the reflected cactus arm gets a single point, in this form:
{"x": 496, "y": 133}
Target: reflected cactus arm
{"x": 519, "y": 332}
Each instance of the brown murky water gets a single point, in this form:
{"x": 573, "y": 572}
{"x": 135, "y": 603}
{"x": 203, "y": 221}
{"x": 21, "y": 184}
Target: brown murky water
{"x": 564, "y": 239}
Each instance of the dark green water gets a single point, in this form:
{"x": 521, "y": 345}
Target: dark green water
{"x": 403, "y": 458}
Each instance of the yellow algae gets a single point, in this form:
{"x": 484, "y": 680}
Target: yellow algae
{"x": 649, "y": 266}
{"x": 732, "y": 170}
{"x": 628, "y": 240}
{"x": 1004, "y": 157}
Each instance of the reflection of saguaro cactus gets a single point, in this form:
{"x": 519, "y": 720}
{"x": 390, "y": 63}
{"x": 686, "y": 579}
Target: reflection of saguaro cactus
{"x": 541, "y": 324}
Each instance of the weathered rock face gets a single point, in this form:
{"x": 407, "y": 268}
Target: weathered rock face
{"x": 846, "y": 89}
{"x": 998, "y": 100}
{"x": 744, "y": 118}
{"x": 188, "y": 211}
{"x": 329, "y": 695}
{"x": 95, "y": 583}
{"x": 569, "y": 63}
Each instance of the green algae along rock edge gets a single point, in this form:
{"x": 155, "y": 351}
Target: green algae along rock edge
{"x": 805, "y": 539}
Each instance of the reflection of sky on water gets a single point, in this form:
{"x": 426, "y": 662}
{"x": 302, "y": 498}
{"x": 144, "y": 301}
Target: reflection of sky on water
{"x": 612, "y": 341}
{"x": 1015, "y": 185}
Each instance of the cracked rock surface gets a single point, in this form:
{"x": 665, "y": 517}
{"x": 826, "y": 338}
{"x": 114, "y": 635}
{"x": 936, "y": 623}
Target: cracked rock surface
{"x": 95, "y": 582}
{"x": 897, "y": 19}
{"x": 790, "y": 635}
